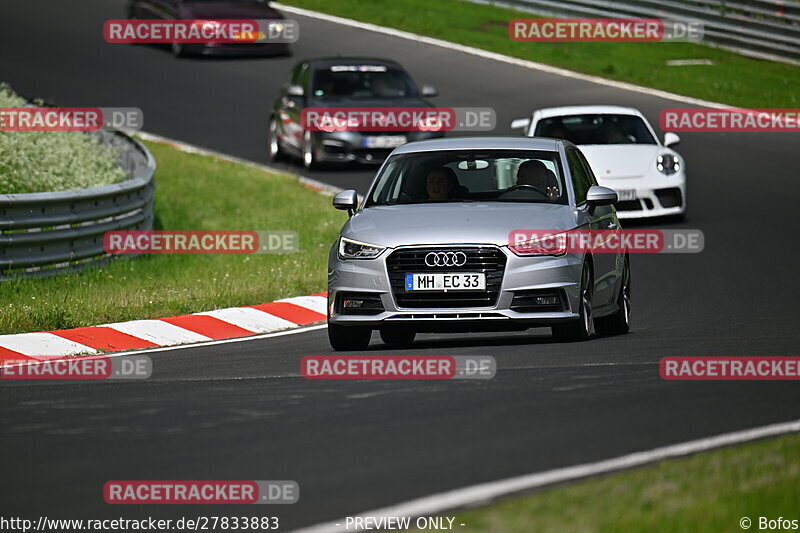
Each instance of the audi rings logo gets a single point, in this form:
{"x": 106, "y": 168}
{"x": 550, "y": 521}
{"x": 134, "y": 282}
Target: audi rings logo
{"x": 449, "y": 259}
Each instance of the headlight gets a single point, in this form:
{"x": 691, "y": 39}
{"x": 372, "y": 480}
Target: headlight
{"x": 349, "y": 249}
{"x": 539, "y": 243}
{"x": 668, "y": 164}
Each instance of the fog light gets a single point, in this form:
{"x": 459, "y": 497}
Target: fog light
{"x": 547, "y": 300}
{"x": 352, "y": 304}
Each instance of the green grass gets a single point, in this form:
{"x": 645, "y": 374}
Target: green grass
{"x": 46, "y": 161}
{"x": 704, "y": 493}
{"x": 193, "y": 193}
{"x": 733, "y": 79}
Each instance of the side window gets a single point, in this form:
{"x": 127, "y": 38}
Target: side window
{"x": 581, "y": 180}
{"x": 592, "y": 178}
{"x": 297, "y": 72}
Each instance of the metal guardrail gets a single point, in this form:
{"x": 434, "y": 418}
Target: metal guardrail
{"x": 54, "y": 232}
{"x": 766, "y": 29}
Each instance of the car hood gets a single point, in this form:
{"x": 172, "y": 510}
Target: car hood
{"x": 228, "y": 10}
{"x": 449, "y": 223}
{"x": 621, "y": 160}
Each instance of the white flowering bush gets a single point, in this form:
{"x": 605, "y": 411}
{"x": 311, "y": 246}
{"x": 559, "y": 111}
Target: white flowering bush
{"x": 43, "y": 161}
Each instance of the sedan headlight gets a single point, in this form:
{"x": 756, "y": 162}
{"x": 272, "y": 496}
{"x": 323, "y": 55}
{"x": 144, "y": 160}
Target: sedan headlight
{"x": 537, "y": 243}
{"x": 668, "y": 164}
{"x": 350, "y": 249}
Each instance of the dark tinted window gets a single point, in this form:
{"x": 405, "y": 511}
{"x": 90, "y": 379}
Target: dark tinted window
{"x": 362, "y": 82}
{"x": 581, "y": 181}
{"x": 596, "y": 129}
{"x": 588, "y": 167}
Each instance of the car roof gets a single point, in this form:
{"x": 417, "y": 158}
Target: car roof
{"x": 479, "y": 143}
{"x": 323, "y": 62}
{"x": 588, "y": 110}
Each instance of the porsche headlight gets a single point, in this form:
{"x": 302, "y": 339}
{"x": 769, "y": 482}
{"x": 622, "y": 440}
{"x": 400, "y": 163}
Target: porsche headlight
{"x": 668, "y": 164}
{"x": 350, "y": 249}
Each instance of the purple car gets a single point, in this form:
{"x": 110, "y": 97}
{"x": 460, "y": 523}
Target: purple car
{"x": 211, "y": 10}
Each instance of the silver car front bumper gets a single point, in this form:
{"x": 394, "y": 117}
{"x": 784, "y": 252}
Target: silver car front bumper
{"x": 521, "y": 275}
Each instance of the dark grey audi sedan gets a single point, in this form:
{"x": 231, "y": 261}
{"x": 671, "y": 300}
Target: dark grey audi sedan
{"x": 432, "y": 246}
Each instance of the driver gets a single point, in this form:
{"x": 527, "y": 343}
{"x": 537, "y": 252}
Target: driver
{"x": 380, "y": 86}
{"x": 534, "y": 172}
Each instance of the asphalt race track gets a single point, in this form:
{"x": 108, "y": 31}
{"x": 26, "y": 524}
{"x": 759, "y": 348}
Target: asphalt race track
{"x": 240, "y": 410}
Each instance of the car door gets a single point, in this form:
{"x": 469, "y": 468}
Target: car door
{"x": 290, "y": 107}
{"x": 599, "y": 218}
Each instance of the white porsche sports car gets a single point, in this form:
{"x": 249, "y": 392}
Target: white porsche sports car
{"x": 624, "y": 153}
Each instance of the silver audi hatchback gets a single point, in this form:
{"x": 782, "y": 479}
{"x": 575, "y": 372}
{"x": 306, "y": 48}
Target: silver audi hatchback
{"x": 433, "y": 246}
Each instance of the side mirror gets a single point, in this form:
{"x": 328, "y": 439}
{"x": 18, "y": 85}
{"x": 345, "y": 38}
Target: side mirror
{"x": 520, "y": 124}
{"x": 671, "y": 139}
{"x": 295, "y": 90}
{"x": 429, "y": 91}
{"x": 346, "y": 201}
{"x": 597, "y": 195}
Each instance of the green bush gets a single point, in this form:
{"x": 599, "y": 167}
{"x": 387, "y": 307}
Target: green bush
{"x": 42, "y": 161}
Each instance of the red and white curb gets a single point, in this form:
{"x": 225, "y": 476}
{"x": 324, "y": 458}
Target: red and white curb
{"x": 152, "y": 333}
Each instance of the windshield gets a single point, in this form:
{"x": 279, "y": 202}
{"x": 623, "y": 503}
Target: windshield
{"x": 362, "y": 82}
{"x": 470, "y": 176}
{"x": 596, "y": 129}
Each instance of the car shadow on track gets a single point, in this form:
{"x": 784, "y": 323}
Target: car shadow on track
{"x": 471, "y": 341}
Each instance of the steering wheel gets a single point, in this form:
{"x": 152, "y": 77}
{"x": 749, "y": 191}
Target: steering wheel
{"x": 520, "y": 186}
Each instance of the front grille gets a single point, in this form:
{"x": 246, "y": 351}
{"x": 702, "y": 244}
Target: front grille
{"x": 669, "y": 197}
{"x": 487, "y": 259}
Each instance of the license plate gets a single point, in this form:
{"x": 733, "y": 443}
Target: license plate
{"x": 463, "y": 281}
{"x": 384, "y": 141}
{"x": 624, "y": 195}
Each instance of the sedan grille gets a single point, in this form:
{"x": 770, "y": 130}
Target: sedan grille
{"x": 487, "y": 259}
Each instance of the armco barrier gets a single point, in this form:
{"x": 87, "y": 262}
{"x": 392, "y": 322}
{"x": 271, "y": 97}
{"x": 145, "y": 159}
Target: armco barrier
{"x": 53, "y": 232}
{"x": 767, "y": 29}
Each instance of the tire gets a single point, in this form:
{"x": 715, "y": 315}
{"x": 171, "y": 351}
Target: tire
{"x": 309, "y": 161}
{"x": 620, "y": 322}
{"x": 579, "y": 330}
{"x": 178, "y": 50}
{"x": 276, "y": 153}
{"x": 398, "y": 336}
{"x": 348, "y": 338}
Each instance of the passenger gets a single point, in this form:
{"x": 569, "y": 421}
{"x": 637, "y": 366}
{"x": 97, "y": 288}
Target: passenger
{"x": 325, "y": 84}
